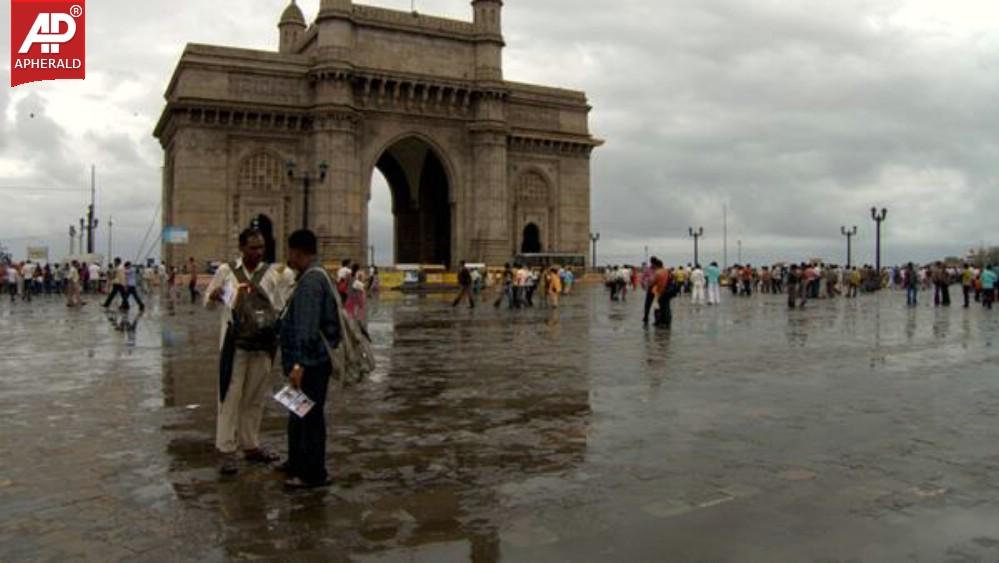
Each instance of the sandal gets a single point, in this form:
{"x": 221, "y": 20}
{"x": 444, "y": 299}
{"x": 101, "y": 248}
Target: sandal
{"x": 296, "y": 483}
{"x": 229, "y": 465}
{"x": 260, "y": 455}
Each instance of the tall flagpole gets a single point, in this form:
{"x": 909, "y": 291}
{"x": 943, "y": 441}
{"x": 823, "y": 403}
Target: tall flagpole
{"x": 725, "y": 235}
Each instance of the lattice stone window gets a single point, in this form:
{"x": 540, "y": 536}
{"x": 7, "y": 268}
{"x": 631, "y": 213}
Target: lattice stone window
{"x": 261, "y": 172}
{"x": 532, "y": 187}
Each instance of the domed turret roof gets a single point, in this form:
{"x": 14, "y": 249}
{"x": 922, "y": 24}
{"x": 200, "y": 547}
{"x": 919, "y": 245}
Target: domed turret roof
{"x": 292, "y": 14}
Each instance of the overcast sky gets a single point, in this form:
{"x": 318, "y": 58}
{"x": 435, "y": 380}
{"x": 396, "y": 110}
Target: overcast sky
{"x": 798, "y": 114}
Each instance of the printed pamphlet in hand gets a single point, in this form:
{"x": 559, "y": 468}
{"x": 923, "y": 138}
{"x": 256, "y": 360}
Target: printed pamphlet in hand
{"x": 294, "y": 400}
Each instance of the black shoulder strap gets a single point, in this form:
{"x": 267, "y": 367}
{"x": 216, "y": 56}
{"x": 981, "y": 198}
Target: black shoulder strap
{"x": 258, "y": 276}
{"x": 238, "y": 272}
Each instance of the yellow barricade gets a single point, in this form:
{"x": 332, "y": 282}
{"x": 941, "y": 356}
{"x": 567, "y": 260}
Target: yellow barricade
{"x": 390, "y": 280}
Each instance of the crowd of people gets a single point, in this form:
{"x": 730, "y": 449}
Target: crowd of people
{"x": 72, "y": 279}
{"x": 800, "y": 282}
{"x": 518, "y": 284}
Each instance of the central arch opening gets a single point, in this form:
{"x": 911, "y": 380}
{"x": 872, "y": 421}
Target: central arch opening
{"x": 419, "y": 189}
{"x": 531, "y": 243}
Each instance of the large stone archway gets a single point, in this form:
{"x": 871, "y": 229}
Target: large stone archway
{"x": 420, "y": 98}
{"x": 421, "y": 202}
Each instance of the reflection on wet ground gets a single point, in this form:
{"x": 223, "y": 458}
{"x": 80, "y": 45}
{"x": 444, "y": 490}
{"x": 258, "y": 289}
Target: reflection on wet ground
{"x": 853, "y": 430}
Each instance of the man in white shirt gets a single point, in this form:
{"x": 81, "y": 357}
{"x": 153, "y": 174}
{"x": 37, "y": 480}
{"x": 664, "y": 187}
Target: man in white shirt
{"x": 27, "y": 280}
{"x": 73, "y": 285}
{"x": 521, "y": 278}
{"x": 247, "y": 356}
{"x": 698, "y": 283}
{"x": 161, "y": 279}
{"x": 95, "y": 277}
{"x": 13, "y": 275}
{"x": 118, "y": 281}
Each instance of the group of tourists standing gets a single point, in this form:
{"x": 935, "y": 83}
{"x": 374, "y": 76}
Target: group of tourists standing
{"x": 301, "y": 311}
{"x": 518, "y": 285}
{"x": 802, "y": 282}
{"x": 267, "y": 308}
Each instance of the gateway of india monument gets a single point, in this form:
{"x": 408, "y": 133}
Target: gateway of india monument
{"x": 479, "y": 168}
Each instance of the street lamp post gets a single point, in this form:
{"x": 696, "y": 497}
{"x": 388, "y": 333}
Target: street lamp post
{"x": 594, "y": 237}
{"x": 72, "y": 239}
{"x": 83, "y": 231}
{"x": 306, "y": 179}
{"x": 110, "y": 240}
{"x": 696, "y": 234}
{"x": 878, "y": 219}
{"x": 91, "y": 221}
{"x": 849, "y": 234}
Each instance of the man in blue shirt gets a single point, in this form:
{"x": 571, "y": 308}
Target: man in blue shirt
{"x": 713, "y": 273}
{"x": 311, "y": 316}
{"x": 989, "y": 280}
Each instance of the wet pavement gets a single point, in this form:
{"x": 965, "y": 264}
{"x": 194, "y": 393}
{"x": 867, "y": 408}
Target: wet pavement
{"x": 851, "y": 431}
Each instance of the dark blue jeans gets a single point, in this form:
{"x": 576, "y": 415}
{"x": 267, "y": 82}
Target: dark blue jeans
{"x": 307, "y": 435}
{"x": 910, "y": 296}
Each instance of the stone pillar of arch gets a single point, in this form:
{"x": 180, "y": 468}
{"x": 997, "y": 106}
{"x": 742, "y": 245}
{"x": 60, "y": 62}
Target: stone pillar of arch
{"x": 337, "y": 205}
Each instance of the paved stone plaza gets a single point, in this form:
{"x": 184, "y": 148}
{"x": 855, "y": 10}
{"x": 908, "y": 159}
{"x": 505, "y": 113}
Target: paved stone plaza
{"x": 851, "y": 431}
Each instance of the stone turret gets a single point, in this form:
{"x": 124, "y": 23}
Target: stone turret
{"x": 336, "y": 32}
{"x": 489, "y": 50}
{"x": 291, "y": 28}
{"x": 488, "y": 16}
{"x": 343, "y": 6}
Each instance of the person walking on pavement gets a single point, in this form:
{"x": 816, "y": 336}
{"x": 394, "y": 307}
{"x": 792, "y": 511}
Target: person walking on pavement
{"x": 118, "y": 280}
{"x": 665, "y": 289}
{"x": 131, "y": 287}
{"x": 506, "y": 287}
{"x": 251, "y": 292}
{"x": 713, "y": 274}
{"x": 795, "y": 286}
{"x": 13, "y": 275}
{"x": 967, "y": 283}
{"x": 698, "y": 283}
{"x": 27, "y": 280}
{"x": 465, "y": 283}
{"x": 911, "y": 285}
{"x": 73, "y": 285}
{"x": 989, "y": 282}
{"x": 648, "y": 282}
{"x": 192, "y": 282}
{"x": 553, "y": 287}
{"x": 311, "y": 318}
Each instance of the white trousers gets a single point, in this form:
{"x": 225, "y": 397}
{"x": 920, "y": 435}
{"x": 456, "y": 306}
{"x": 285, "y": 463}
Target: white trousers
{"x": 698, "y": 294}
{"x": 240, "y": 415}
{"x": 714, "y": 294}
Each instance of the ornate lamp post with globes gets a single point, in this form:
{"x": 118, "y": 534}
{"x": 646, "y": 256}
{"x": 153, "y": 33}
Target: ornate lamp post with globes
{"x": 878, "y": 219}
{"x": 594, "y": 237}
{"x": 306, "y": 179}
{"x": 849, "y": 234}
{"x": 696, "y": 234}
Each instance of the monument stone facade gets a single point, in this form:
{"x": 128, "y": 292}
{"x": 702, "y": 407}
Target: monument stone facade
{"x": 480, "y": 168}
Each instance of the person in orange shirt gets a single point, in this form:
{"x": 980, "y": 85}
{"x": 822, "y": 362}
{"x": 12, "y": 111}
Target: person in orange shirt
{"x": 554, "y": 287}
{"x": 661, "y": 289}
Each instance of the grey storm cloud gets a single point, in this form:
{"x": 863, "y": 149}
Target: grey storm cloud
{"x": 798, "y": 115}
